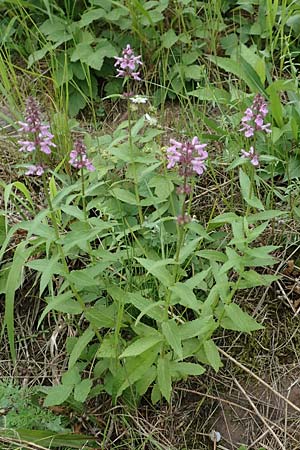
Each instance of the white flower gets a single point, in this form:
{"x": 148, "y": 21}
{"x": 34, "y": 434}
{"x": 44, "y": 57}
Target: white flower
{"x": 138, "y": 99}
{"x": 152, "y": 120}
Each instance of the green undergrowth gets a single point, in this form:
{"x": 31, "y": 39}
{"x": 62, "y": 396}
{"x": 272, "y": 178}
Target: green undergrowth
{"x": 178, "y": 205}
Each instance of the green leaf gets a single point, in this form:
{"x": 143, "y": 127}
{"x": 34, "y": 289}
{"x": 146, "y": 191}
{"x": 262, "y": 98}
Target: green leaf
{"x": 73, "y": 211}
{"x": 212, "y": 255}
{"x": 57, "y": 395}
{"x": 143, "y": 384}
{"x": 124, "y": 196}
{"x": 211, "y": 94}
{"x": 265, "y": 215}
{"x": 252, "y": 279}
{"x": 186, "y": 296}
{"x": 197, "y": 281}
{"x": 188, "y": 249}
{"x": 80, "y": 345}
{"x": 50, "y": 439}
{"x": 147, "y": 306}
{"x": 71, "y": 377}
{"x": 62, "y": 303}
{"x": 12, "y": 284}
{"x": 171, "y": 332}
{"x": 141, "y": 345}
{"x": 164, "y": 377}
{"x": 90, "y": 16}
{"x": 236, "y": 319}
{"x": 212, "y": 354}
{"x": 101, "y": 316}
{"x": 82, "y": 390}
{"x": 169, "y": 38}
{"x": 163, "y": 186}
{"x": 193, "y": 72}
{"x": 47, "y": 267}
{"x": 135, "y": 368}
{"x": 197, "y": 327}
{"x": 158, "y": 269}
{"x": 183, "y": 369}
{"x": 247, "y": 191}
{"x": 108, "y": 347}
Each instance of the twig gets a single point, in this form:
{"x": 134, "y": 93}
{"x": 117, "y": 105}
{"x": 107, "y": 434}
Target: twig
{"x": 259, "y": 415}
{"x": 264, "y": 383}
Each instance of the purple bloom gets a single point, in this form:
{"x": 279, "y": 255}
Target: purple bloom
{"x": 183, "y": 219}
{"x": 38, "y": 134}
{"x": 252, "y": 156}
{"x": 189, "y": 156}
{"x": 253, "y": 119}
{"x": 37, "y": 170}
{"x": 128, "y": 64}
{"x": 78, "y": 157}
{"x": 27, "y": 146}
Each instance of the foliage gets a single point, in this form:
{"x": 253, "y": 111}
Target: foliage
{"x": 152, "y": 290}
{"x": 21, "y": 409}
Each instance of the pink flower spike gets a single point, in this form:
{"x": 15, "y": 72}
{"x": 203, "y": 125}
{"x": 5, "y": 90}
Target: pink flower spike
{"x": 189, "y": 156}
{"x": 37, "y": 170}
{"x": 128, "y": 64}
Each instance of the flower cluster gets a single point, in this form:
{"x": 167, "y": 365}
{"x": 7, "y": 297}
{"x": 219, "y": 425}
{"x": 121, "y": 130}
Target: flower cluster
{"x": 37, "y": 133}
{"x": 253, "y": 119}
{"x": 78, "y": 157}
{"x": 251, "y": 155}
{"x": 128, "y": 64}
{"x": 37, "y": 170}
{"x": 189, "y": 156}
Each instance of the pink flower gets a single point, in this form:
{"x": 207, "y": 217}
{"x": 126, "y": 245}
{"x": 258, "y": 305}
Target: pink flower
{"x": 252, "y": 156}
{"x": 253, "y": 119}
{"x": 27, "y": 146}
{"x": 78, "y": 157}
{"x": 37, "y": 170}
{"x": 189, "y": 156}
{"x": 38, "y": 134}
{"x": 128, "y": 64}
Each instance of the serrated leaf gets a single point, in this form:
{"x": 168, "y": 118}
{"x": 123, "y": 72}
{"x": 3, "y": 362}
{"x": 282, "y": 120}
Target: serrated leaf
{"x": 141, "y": 345}
{"x": 102, "y": 316}
{"x": 57, "y": 395}
{"x": 164, "y": 377}
{"x": 185, "y": 296}
{"x": 236, "y": 319}
{"x": 170, "y": 331}
{"x": 82, "y": 390}
{"x": 80, "y": 345}
{"x": 147, "y": 306}
{"x": 63, "y": 303}
{"x": 158, "y": 269}
{"x": 253, "y": 279}
{"x": 197, "y": 327}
